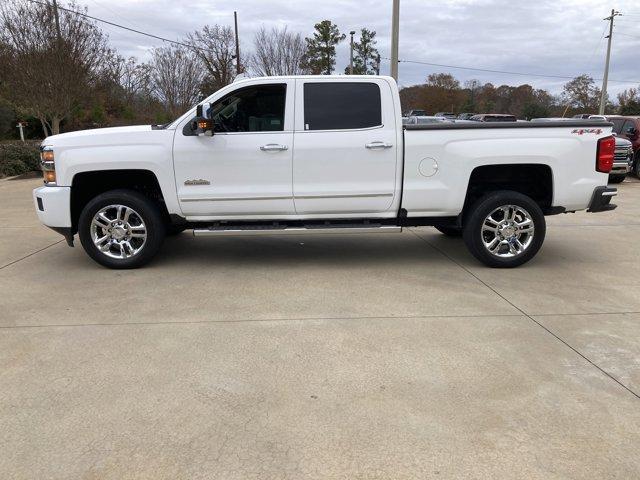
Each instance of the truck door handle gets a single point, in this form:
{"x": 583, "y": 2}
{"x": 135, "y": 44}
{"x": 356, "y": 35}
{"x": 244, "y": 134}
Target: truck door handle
{"x": 273, "y": 147}
{"x": 378, "y": 145}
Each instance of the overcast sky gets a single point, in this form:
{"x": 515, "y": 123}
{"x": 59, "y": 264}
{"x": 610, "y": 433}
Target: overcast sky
{"x": 547, "y": 37}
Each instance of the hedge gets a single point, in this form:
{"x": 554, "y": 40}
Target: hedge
{"x": 18, "y": 157}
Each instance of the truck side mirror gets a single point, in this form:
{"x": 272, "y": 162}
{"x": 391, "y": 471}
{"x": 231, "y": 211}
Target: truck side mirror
{"x": 203, "y": 124}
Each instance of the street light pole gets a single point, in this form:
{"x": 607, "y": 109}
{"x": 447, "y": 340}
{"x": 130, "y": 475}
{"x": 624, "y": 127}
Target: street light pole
{"x": 605, "y": 78}
{"x": 352, "y": 33}
{"x": 395, "y": 33}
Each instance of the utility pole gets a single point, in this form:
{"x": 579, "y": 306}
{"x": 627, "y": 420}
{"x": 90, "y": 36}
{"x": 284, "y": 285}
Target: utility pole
{"x": 395, "y": 33}
{"x": 235, "y": 22}
{"x": 352, "y": 33}
{"x": 605, "y": 78}
{"x": 57, "y": 20}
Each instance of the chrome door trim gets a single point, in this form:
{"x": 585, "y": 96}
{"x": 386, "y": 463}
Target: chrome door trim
{"x": 306, "y": 197}
{"x": 229, "y": 199}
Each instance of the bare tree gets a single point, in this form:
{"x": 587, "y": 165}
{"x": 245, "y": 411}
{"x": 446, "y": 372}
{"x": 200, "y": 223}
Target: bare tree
{"x": 49, "y": 76}
{"x": 278, "y": 52}
{"x": 133, "y": 78}
{"x": 215, "y": 47}
{"x": 176, "y": 76}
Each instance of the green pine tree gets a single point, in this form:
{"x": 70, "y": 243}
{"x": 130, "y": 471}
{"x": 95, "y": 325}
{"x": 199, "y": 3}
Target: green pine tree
{"x": 320, "y": 56}
{"x": 366, "y": 59}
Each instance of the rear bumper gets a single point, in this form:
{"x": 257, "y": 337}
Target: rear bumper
{"x": 53, "y": 206}
{"x": 621, "y": 168}
{"x": 601, "y": 199}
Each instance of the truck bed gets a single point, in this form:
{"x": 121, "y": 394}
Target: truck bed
{"x": 440, "y": 160}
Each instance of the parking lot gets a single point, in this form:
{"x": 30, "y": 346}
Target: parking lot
{"x": 347, "y": 356}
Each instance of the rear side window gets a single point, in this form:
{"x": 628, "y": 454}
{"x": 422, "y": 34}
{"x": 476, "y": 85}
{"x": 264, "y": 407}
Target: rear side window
{"x": 341, "y": 105}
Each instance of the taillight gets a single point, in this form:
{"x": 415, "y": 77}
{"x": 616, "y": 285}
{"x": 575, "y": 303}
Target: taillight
{"x": 604, "y": 154}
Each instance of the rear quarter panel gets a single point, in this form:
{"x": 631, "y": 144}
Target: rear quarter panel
{"x": 457, "y": 152}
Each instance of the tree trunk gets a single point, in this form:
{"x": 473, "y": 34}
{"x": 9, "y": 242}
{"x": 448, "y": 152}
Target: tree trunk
{"x": 55, "y": 126}
{"x": 45, "y": 131}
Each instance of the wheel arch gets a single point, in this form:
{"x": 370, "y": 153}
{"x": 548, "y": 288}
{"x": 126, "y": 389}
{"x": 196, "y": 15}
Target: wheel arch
{"x": 87, "y": 185}
{"x": 534, "y": 180}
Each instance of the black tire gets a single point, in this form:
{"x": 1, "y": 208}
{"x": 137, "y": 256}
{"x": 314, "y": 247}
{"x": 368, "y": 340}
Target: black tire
{"x": 482, "y": 208}
{"x": 636, "y": 165}
{"x": 449, "y": 230}
{"x": 144, "y": 209}
{"x": 617, "y": 178}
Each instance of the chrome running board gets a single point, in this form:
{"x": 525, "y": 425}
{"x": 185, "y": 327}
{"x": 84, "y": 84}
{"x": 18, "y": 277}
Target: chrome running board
{"x": 242, "y": 231}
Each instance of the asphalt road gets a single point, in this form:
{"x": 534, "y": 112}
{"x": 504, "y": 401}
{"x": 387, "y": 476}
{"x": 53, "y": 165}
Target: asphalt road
{"x": 351, "y": 357}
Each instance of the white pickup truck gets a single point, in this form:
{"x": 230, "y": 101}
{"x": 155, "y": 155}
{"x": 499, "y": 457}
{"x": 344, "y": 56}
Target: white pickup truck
{"x": 319, "y": 154}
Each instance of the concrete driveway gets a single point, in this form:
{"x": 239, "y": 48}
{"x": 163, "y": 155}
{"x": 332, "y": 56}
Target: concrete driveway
{"x": 351, "y": 357}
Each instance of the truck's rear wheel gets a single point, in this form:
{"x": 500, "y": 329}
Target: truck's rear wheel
{"x": 504, "y": 229}
{"x": 121, "y": 229}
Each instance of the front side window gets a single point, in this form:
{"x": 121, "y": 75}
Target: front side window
{"x": 252, "y": 109}
{"x": 341, "y": 105}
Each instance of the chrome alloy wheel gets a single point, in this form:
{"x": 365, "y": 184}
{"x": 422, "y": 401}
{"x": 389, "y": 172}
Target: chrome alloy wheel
{"x": 507, "y": 231}
{"x": 118, "y": 231}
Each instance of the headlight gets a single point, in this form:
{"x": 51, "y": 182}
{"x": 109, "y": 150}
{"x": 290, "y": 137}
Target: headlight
{"x": 48, "y": 165}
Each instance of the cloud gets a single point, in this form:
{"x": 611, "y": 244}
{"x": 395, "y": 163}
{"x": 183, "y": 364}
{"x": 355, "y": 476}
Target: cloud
{"x": 547, "y": 37}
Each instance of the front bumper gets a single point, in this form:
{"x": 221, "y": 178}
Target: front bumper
{"x": 53, "y": 206}
{"x": 601, "y": 199}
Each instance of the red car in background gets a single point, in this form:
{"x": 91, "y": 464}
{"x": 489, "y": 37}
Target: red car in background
{"x": 629, "y": 128}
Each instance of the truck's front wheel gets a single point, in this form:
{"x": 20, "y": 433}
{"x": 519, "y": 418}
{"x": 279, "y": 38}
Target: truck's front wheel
{"x": 504, "y": 229}
{"x": 121, "y": 229}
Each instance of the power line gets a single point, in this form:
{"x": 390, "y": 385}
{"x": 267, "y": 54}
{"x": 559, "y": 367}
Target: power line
{"x": 627, "y": 35}
{"x": 140, "y": 32}
{"x": 595, "y": 50}
{"x": 121, "y": 17}
{"x": 488, "y": 70}
{"x": 459, "y": 67}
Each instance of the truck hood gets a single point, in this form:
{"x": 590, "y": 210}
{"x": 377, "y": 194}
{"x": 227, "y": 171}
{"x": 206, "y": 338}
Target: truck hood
{"x": 133, "y": 148}
{"x": 99, "y": 136}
